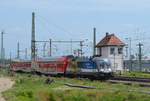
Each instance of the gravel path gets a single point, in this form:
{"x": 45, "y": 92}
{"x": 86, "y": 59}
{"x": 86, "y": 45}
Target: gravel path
{"x": 5, "y": 84}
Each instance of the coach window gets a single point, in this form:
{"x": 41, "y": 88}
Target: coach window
{"x": 112, "y": 51}
{"x": 120, "y": 50}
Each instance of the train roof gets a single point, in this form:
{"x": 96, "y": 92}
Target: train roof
{"x": 52, "y": 59}
{"x": 42, "y": 59}
{"x": 20, "y": 60}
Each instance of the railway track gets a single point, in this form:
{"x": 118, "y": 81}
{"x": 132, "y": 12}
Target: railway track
{"x": 133, "y": 79}
{"x": 142, "y": 82}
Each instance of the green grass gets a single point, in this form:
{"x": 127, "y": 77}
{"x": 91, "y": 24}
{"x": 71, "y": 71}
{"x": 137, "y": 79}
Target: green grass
{"x": 4, "y": 72}
{"x": 33, "y": 88}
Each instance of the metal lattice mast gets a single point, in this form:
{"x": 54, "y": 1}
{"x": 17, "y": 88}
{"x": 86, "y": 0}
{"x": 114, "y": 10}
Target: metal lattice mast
{"x": 26, "y": 53}
{"x": 50, "y": 47}
{"x": 18, "y": 50}
{"x": 2, "y": 47}
{"x": 33, "y": 55}
{"x": 140, "y": 56}
{"x": 94, "y": 41}
{"x": 44, "y": 49}
{"x": 81, "y": 48}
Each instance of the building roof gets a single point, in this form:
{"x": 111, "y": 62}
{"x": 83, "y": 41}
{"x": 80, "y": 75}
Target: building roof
{"x": 110, "y": 40}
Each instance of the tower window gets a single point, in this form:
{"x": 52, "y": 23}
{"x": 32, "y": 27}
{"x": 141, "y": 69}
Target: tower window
{"x": 112, "y": 51}
{"x": 120, "y": 50}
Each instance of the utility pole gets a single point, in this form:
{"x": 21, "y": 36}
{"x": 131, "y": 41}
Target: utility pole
{"x": 33, "y": 55}
{"x": 71, "y": 47}
{"x": 130, "y": 58}
{"x": 10, "y": 56}
{"x": 18, "y": 51}
{"x": 50, "y": 47}
{"x": 26, "y": 53}
{"x": 140, "y": 56}
{"x": 94, "y": 41}
{"x": 44, "y": 49}
{"x": 126, "y": 51}
{"x": 130, "y": 47}
{"x": 78, "y": 52}
{"x": 130, "y": 54}
{"x": 114, "y": 61}
{"x": 81, "y": 48}
{"x": 2, "y": 47}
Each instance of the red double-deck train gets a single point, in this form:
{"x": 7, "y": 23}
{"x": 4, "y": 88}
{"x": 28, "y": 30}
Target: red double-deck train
{"x": 21, "y": 65}
{"x": 55, "y": 65}
{"x": 64, "y": 66}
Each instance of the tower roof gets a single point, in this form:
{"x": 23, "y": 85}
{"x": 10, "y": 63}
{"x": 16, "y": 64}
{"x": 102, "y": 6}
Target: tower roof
{"x": 110, "y": 40}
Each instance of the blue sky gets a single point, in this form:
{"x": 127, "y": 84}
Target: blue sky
{"x": 74, "y": 19}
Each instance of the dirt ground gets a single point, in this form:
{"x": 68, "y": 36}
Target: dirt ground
{"x": 5, "y": 84}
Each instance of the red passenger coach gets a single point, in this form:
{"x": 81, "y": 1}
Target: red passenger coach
{"x": 56, "y": 65}
{"x": 21, "y": 65}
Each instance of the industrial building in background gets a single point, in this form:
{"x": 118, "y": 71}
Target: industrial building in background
{"x": 111, "y": 47}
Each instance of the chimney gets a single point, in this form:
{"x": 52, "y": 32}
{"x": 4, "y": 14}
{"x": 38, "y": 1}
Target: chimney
{"x": 113, "y": 34}
{"x": 107, "y": 33}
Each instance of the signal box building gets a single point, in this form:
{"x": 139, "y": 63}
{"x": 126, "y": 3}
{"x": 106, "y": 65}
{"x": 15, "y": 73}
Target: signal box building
{"x": 111, "y": 47}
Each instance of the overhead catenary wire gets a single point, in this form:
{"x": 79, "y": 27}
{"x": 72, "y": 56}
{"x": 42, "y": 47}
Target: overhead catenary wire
{"x": 58, "y": 27}
{"x": 48, "y": 22}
